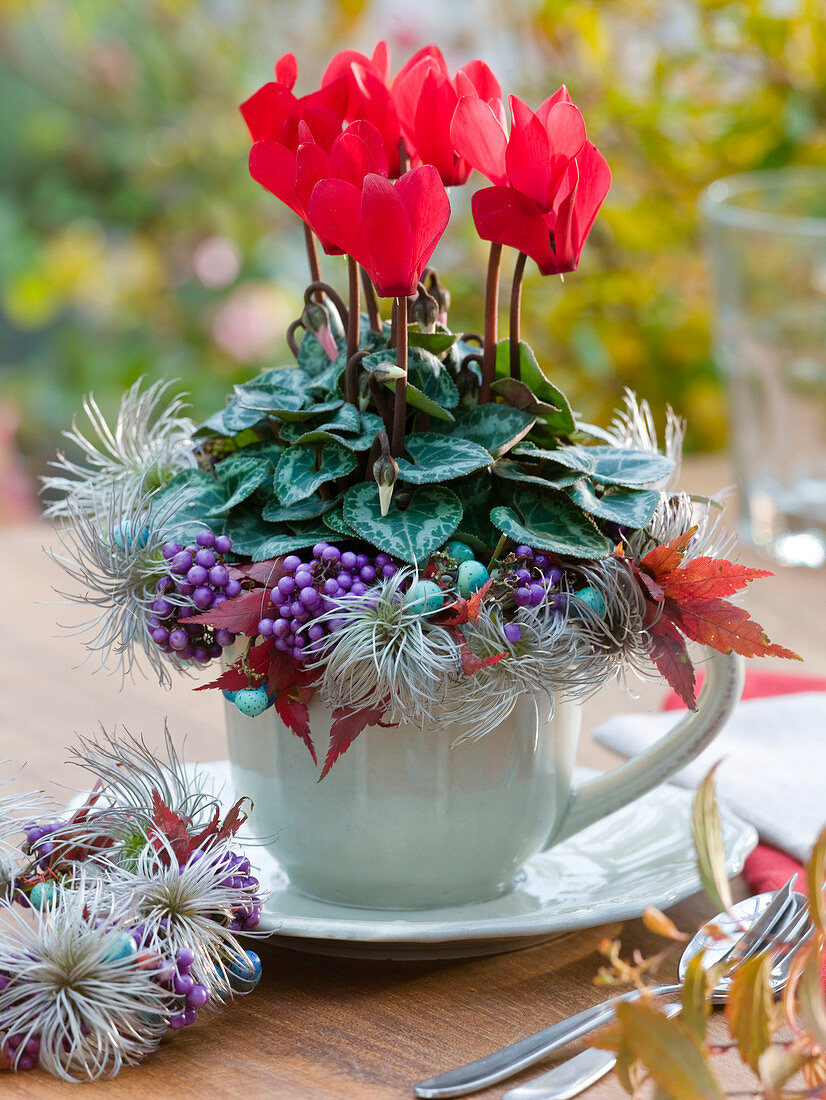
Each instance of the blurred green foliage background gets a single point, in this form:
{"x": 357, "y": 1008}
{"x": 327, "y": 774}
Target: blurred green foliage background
{"x": 134, "y": 242}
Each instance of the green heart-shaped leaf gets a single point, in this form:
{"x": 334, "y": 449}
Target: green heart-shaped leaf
{"x": 497, "y": 428}
{"x": 440, "y": 458}
{"x": 182, "y": 507}
{"x": 417, "y": 400}
{"x": 311, "y": 508}
{"x": 430, "y": 518}
{"x": 558, "y": 415}
{"x": 253, "y": 538}
{"x": 240, "y": 475}
{"x": 556, "y": 478}
{"x": 303, "y": 468}
{"x": 573, "y": 458}
{"x": 623, "y": 466}
{"x": 335, "y": 521}
{"x": 625, "y": 507}
{"x": 437, "y": 342}
{"x": 550, "y": 520}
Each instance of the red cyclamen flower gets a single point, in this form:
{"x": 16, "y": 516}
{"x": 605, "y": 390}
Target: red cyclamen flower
{"x": 391, "y": 229}
{"x": 549, "y": 180}
{"x": 273, "y": 112}
{"x": 292, "y": 175}
{"x": 368, "y": 97}
{"x": 426, "y": 99}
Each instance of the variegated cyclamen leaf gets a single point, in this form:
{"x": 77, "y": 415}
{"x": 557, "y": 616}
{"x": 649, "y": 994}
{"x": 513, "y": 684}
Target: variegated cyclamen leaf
{"x": 440, "y": 458}
{"x": 194, "y": 496}
{"x": 432, "y": 515}
{"x": 311, "y": 508}
{"x": 367, "y": 427}
{"x": 303, "y": 468}
{"x": 418, "y": 400}
{"x": 240, "y": 475}
{"x": 516, "y": 471}
{"x": 617, "y": 504}
{"x": 560, "y": 418}
{"x": 710, "y": 846}
{"x": 573, "y": 458}
{"x": 335, "y": 521}
{"x": 623, "y": 466}
{"x": 260, "y": 541}
{"x": 550, "y": 521}
{"x": 497, "y": 428}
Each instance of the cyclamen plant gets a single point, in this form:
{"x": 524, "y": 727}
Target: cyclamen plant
{"x": 134, "y": 903}
{"x": 410, "y": 522}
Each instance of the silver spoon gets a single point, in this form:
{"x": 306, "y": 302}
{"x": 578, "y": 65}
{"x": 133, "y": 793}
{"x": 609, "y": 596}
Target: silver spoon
{"x": 769, "y": 916}
{"x": 575, "y": 1075}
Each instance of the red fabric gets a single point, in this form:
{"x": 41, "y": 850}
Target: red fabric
{"x": 767, "y": 868}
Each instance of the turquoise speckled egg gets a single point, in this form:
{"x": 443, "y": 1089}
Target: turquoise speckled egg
{"x": 459, "y": 551}
{"x": 121, "y": 946}
{"x": 472, "y": 575}
{"x": 592, "y": 598}
{"x": 424, "y": 596}
{"x": 252, "y": 701}
{"x": 42, "y": 893}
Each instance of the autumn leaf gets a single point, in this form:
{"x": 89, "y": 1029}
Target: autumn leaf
{"x": 235, "y": 678}
{"x": 811, "y": 998}
{"x": 347, "y": 725}
{"x": 668, "y": 652}
{"x": 656, "y": 921}
{"x": 814, "y": 874}
{"x": 776, "y": 1065}
{"x": 172, "y": 826}
{"x": 268, "y": 573}
{"x": 471, "y": 664}
{"x": 724, "y": 626}
{"x": 672, "y": 1054}
{"x": 241, "y": 614}
{"x": 709, "y": 577}
{"x": 666, "y": 558}
{"x": 708, "y": 841}
{"x": 466, "y": 610}
{"x": 291, "y": 705}
{"x": 694, "y": 997}
{"x": 749, "y": 1008}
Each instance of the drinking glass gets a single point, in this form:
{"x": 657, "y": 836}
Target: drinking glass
{"x": 766, "y": 238}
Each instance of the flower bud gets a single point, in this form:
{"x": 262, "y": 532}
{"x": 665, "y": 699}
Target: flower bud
{"x": 385, "y": 472}
{"x": 441, "y": 295}
{"x": 425, "y": 311}
{"x": 316, "y": 319}
{"x": 388, "y": 372}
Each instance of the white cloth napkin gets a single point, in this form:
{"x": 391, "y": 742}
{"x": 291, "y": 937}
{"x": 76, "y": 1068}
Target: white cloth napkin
{"x": 773, "y": 770}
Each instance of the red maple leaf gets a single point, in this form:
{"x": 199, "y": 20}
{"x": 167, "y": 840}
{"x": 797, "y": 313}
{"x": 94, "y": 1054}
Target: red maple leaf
{"x": 465, "y": 610}
{"x": 291, "y": 704}
{"x": 669, "y": 654}
{"x": 268, "y": 573}
{"x": 235, "y": 678}
{"x": 241, "y": 614}
{"x": 471, "y": 663}
{"x": 173, "y": 827}
{"x": 710, "y": 577}
{"x": 723, "y": 626}
{"x": 347, "y": 725}
{"x": 665, "y": 558}
{"x": 690, "y": 597}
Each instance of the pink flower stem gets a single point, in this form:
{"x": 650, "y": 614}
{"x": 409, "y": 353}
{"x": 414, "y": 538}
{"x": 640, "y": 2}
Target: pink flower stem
{"x": 372, "y": 301}
{"x": 400, "y": 395}
{"x": 516, "y": 310}
{"x": 353, "y": 310}
{"x": 491, "y": 310}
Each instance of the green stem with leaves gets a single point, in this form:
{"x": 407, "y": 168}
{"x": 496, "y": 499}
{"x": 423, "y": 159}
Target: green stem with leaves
{"x": 400, "y": 395}
{"x": 491, "y": 311}
{"x": 515, "y": 316}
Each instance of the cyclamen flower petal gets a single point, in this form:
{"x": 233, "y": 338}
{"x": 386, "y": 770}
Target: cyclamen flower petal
{"x": 426, "y": 98}
{"x": 368, "y": 97}
{"x": 480, "y": 138}
{"x": 391, "y": 229}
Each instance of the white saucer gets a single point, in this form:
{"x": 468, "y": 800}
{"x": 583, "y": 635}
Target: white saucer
{"x": 641, "y": 855}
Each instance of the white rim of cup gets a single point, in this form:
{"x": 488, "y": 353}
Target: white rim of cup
{"x": 719, "y": 201}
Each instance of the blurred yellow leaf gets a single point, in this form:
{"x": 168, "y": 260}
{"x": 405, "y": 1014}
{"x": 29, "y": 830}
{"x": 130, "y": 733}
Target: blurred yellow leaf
{"x": 749, "y": 1008}
{"x": 673, "y": 1055}
{"x": 708, "y": 841}
{"x": 815, "y": 872}
{"x": 811, "y": 998}
{"x": 657, "y": 922}
{"x": 776, "y": 1065}
{"x": 694, "y": 997}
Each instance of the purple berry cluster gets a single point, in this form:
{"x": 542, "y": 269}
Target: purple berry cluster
{"x": 199, "y": 575}
{"x": 39, "y": 842}
{"x": 309, "y": 590}
{"x": 10, "y": 1048}
{"x": 533, "y": 579}
{"x": 175, "y": 976}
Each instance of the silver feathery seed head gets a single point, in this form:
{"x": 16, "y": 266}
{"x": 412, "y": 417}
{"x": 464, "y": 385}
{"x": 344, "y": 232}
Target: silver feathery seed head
{"x": 93, "y": 1008}
{"x": 148, "y": 445}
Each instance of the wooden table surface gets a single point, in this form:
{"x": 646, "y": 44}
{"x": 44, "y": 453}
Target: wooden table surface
{"x": 320, "y": 1027}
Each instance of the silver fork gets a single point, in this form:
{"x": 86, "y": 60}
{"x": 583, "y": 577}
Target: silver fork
{"x": 768, "y": 929}
{"x": 573, "y": 1076}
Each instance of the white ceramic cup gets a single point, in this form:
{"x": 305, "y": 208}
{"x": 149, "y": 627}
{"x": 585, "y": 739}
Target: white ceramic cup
{"x": 405, "y": 821}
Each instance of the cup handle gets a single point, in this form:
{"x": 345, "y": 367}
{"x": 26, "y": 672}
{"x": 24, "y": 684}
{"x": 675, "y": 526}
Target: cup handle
{"x": 595, "y": 799}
